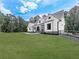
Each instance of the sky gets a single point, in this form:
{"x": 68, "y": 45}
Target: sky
{"x": 29, "y": 8}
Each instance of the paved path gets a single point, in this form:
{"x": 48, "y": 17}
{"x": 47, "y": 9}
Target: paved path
{"x": 31, "y": 33}
{"x": 71, "y": 36}
{"x": 66, "y": 35}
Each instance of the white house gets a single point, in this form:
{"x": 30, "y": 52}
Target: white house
{"x": 47, "y": 23}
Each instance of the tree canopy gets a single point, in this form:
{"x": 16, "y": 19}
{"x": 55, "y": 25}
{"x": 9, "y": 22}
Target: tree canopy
{"x": 11, "y": 23}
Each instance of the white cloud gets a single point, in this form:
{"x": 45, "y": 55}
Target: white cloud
{"x": 16, "y": 7}
{"x": 28, "y": 6}
{"x": 77, "y": 1}
{"x": 37, "y": 1}
{"x": 45, "y": 2}
{"x": 48, "y": 2}
{"x": 23, "y": 9}
{"x": 4, "y": 10}
{"x": 23, "y": 2}
{"x": 31, "y": 5}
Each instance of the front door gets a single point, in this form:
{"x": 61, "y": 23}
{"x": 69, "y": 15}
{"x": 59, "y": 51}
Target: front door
{"x": 38, "y": 29}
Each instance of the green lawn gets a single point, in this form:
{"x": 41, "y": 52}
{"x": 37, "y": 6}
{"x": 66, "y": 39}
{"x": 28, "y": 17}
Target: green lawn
{"x": 22, "y": 46}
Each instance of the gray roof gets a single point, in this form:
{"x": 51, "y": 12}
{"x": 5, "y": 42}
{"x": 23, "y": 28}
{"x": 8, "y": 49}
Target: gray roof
{"x": 59, "y": 14}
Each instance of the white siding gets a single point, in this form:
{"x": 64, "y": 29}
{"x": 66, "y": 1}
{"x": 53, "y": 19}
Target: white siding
{"x": 30, "y": 27}
{"x": 62, "y": 26}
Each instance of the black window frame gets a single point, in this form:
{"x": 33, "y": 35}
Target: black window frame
{"x": 49, "y": 26}
{"x": 49, "y": 17}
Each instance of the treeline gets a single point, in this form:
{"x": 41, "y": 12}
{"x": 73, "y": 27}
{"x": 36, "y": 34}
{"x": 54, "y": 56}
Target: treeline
{"x": 72, "y": 22}
{"x": 11, "y": 23}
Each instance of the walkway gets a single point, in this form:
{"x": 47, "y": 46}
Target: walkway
{"x": 71, "y": 36}
{"x": 31, "y": 33}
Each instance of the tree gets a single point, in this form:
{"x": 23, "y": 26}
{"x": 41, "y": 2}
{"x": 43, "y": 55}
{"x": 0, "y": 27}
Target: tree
{"x": 1, "y": 19}
{"x": 72, "y": 22}
{"x": 13, "y": 24}
{"x": 6, "y": 25}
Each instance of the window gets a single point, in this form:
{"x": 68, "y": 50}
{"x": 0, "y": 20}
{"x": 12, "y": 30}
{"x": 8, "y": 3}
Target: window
{"x": 35, "y": 20}
{"x": 39, "y": 21}
{"x": 49, "y": 17}
{"x": 49, "y": 26}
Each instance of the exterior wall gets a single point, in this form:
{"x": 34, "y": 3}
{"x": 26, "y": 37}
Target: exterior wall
{"x": 55, "y": 29}
{"x": 53, "y": 22}
{"x": 42, "y": 27}
{"x": 30, "y": 27}
{"x": 61, "y": 26}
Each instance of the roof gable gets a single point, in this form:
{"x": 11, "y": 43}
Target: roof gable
{"x": 59, "y": 15}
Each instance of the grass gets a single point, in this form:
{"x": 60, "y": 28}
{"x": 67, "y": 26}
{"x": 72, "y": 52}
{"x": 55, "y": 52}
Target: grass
{"x": 22, "y": 46}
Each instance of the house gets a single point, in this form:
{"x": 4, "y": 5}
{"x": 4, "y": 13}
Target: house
{"x": 47, "y": 23}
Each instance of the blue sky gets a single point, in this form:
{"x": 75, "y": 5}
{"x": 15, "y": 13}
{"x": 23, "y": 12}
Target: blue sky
{"x": 29, "y": 8}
